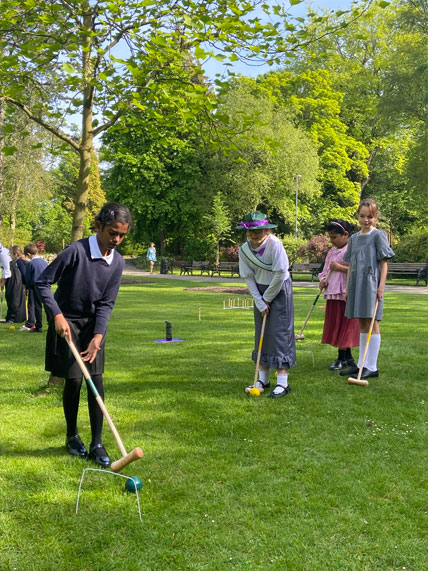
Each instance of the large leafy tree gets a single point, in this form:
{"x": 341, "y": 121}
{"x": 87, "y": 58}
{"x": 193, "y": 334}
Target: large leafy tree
{"x": 260, "y": 172}
{"x": 379, "y": 64}
{"x": 97, "y": 57}
{"x": 157, "y": 173}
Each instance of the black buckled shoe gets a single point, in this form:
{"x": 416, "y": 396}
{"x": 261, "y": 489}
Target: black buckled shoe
{"x": 352, "y": 370}
{"x": 75, "y": 446}
{"x": 338, "y": 365}
{"x": 282, "y": 393}
{"x": 98, "y": 454}
{"x": 366, "y": 374}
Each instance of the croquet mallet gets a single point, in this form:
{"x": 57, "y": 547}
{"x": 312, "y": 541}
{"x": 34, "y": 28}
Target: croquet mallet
{"x": 255, "y": 392}
{"x": 359, "y": 380}
{"x": 300, "y": 335}
{"x": 126, "y": 458}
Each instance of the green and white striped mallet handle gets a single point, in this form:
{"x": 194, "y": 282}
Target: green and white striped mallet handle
{"x": 126, "y": 458}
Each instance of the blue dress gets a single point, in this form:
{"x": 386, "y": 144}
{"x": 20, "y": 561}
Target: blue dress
{"x": 151, "y": 255}
{"x": 364, "y": 253}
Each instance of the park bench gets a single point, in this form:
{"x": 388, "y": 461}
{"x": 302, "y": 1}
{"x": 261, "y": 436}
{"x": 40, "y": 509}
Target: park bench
{"x": 419, "y": 270}
{"x": 231, "y": 267}
{"x": 306, "y": 268}
{"x": 189, "y": 267}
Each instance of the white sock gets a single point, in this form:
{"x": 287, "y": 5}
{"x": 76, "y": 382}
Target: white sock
{"x": 263, "y": 378}
{"x": 373, "y": 352}
{"x": 363, "y": 340}
{"x": 281, "y": 382}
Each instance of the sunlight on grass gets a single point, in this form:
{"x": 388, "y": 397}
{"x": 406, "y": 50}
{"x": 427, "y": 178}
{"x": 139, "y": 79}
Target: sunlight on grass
{"x": 331, "y": 477}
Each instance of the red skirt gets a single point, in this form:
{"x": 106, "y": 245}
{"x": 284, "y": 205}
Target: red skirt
{"x": 339, "y": 331}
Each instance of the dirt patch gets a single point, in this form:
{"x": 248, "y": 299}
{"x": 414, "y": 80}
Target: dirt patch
{"x": 219, "y": 289}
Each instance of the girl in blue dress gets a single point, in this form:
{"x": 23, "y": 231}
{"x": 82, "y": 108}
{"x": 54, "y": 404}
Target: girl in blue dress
{"x": 367, "y": 254}
{"x": 151, "y": 256}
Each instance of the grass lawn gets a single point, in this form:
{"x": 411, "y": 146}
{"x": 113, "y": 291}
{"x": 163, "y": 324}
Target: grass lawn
{"x": 332, "y": 477}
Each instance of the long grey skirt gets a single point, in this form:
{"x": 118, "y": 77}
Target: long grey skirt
{"x": 279, "y": 346}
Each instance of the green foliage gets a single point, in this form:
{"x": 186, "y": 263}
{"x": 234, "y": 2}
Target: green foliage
{"x": 19, "y": 236}
{"x": 259, "y": 173}
{"x": 292, "y": 245}
{"x": 200, "y": 248}
{"x": 218, "y": 222}
{"x": 53, "y": 226}
{"x": 412, "y": 248}
{"x": 314, "y": 103}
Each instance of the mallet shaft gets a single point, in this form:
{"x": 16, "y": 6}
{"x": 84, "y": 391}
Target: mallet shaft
{"x": 358, "y": 380}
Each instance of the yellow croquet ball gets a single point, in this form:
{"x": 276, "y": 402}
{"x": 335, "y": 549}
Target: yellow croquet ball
{"x": 12, "y": 328}
{"x": 254, "y": 392}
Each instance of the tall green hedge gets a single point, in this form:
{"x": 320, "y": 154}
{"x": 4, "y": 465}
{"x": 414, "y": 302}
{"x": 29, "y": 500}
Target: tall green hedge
{"x": 412, "y": 248}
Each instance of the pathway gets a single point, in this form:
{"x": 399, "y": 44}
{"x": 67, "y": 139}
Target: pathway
{"x": 131, "y": 270}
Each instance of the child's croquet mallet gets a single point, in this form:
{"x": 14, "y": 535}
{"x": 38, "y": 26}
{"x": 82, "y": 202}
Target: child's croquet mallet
{"x": 255, "y": 392}
{"x": 300, "y": 335}
{"x": 359, "y": 380}
{"x": 126, "y": 458}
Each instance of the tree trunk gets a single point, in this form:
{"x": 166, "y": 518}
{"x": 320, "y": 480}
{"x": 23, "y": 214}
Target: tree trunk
{"x": 87, "y": 140}
{"x": 217, "y": 252}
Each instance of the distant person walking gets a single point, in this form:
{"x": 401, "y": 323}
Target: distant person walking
{"x": 151, "y": 256}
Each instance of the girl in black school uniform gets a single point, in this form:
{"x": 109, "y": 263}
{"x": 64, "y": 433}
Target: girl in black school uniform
{"x": 88, "y": 273}
{"x": 15, "y": 294}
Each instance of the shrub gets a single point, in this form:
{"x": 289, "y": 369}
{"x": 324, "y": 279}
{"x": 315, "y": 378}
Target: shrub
{"x": 316, "y": 249}
{"x": 412, "y": 248}
{"x": 230, "y": 254}
{"x": 292, "y": 245}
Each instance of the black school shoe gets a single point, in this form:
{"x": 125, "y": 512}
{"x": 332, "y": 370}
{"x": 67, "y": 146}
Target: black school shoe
{"x": 282, "y": 393}
{"x": 75, "y": 446}
{"x": 352, "y": 370}
{"x": 98, "y": 454}
{"x": 338, "y": 365}
{"x": 366, "y": 374}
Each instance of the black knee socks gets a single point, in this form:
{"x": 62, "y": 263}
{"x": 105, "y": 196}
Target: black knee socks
{"x": 70, "y": 400}
{"x": 345, "y": 354}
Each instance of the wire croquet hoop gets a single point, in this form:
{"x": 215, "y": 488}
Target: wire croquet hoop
{"x": 106, "y": 472}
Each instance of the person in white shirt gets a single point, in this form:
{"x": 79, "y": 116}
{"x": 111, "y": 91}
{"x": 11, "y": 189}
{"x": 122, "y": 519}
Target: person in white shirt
{"x": 5, "y": 260}
{"x": 263, "y": 263}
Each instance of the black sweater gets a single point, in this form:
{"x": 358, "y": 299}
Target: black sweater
{"x": 86, "y": 287}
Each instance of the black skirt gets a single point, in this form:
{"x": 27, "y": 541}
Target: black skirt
{"x": 59, "y": 360}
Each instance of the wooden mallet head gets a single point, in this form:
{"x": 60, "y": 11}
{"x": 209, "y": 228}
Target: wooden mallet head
{"x": 361, "y": 382}
{"x": 118, "y": 465}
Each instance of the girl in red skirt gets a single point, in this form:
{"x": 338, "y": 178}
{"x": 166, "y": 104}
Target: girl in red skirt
{"x": 339, "y": 331}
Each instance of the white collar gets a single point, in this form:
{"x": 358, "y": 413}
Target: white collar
{"x": 96, "y": 252}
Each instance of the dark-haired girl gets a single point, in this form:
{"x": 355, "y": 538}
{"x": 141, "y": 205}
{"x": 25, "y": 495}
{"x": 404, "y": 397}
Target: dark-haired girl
{"x": 339, "y": 331}
{"x": 88, "y": 274}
